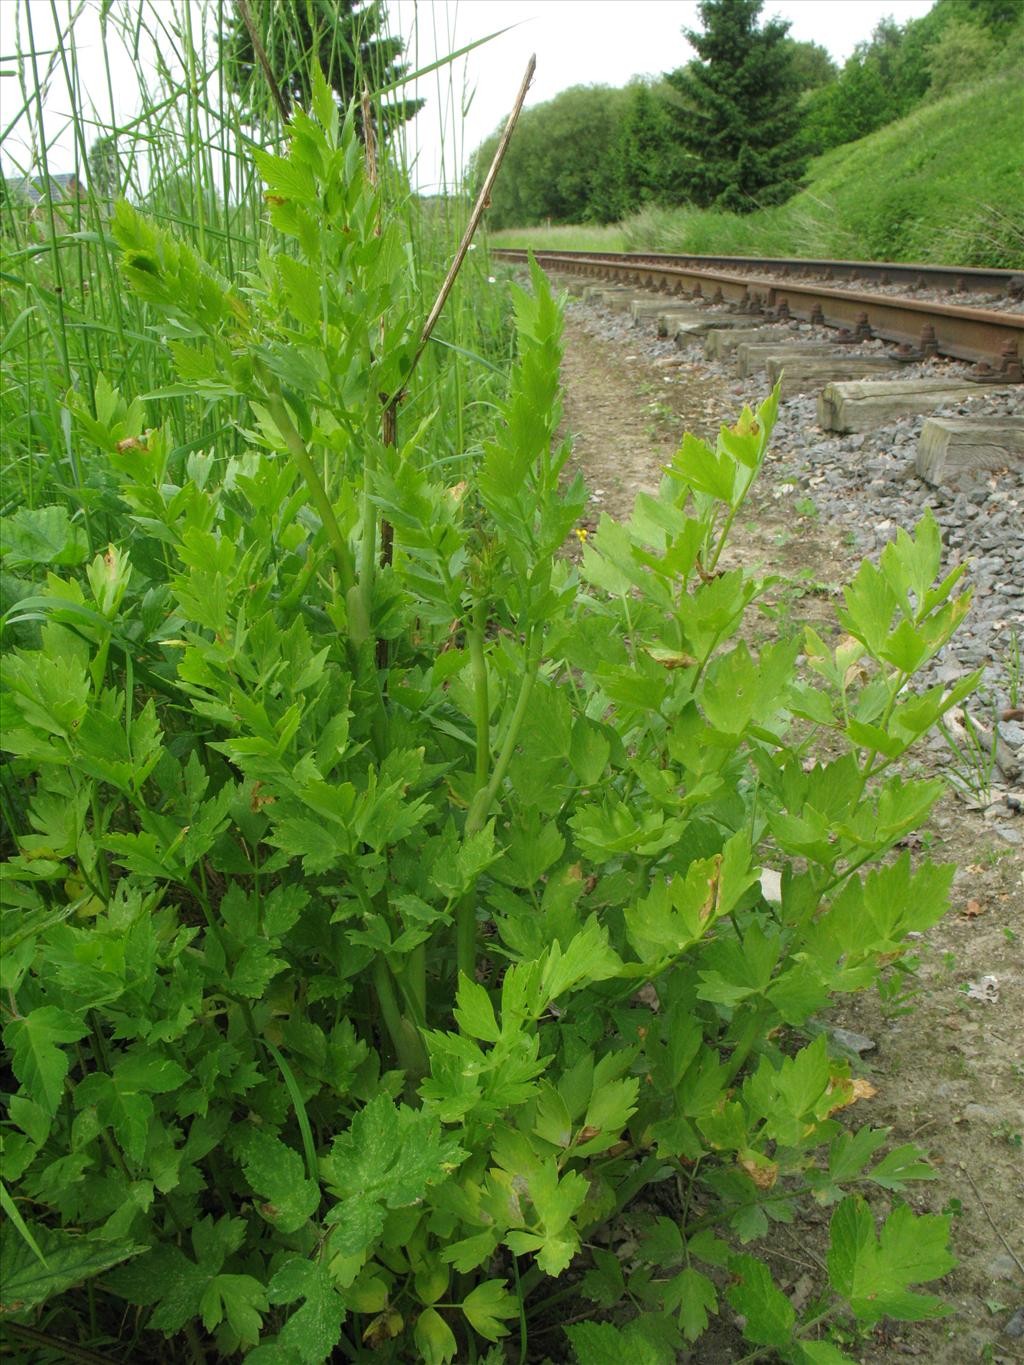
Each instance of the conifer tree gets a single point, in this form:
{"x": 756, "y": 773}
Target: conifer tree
{"x": 737, "y": 118}
{"x": 344, "y": 35}
{"x": 643, "y": 149}
{"x": 104, "y": 172}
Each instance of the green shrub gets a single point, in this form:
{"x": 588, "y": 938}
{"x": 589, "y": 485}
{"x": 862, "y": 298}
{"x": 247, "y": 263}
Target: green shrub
{"x": 958, "y": 55}
{"x": 387, "y": 908}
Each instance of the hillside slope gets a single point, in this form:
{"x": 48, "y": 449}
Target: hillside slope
{"x": 944, "y": 184}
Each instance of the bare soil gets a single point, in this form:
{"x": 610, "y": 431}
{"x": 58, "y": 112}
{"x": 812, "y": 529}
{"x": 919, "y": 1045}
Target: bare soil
{"x": 949, "y": 1069}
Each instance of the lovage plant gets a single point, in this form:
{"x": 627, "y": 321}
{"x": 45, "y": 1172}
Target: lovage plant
{"x": 386, "y": 910}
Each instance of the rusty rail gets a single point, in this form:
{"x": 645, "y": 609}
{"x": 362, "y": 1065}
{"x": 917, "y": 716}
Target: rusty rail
{"x": 909, "y": 275}
{"x": 995, "y": 340}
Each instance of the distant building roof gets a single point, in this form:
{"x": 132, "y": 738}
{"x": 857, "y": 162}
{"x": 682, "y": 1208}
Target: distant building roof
{"x": 32, "y": 188}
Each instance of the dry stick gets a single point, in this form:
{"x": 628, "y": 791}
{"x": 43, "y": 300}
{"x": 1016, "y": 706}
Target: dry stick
{"x": 483, "y": 199}
{"x": 984, "y": 1209}
{"x": 250, "y": 24}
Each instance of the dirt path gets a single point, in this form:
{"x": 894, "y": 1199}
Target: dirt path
{"x": 949, "y": 1069}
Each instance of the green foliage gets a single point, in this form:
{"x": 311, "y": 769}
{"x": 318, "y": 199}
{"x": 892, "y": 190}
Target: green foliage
{"x": 956, "y": 57}
{"x": 885, "y": 78}
{"x": 557, "y": 166}
{"x": 384, "y": 904}
{"x": 343, "y": 36}
{"x": 737, "y": 119}
{"x": 646, "y": 155}
{"x": 899, "y": 197}
{"x": 811, "y": 65}
{"x": 104, "y": 171}
{"x": 898, "y": 194}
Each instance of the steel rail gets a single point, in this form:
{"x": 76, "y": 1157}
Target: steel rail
{"x": 992, "y": 339}
{"x": 911, "y": 275}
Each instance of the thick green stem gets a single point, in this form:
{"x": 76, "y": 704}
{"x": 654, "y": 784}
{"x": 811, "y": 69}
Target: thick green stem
{"x": 368, "y": 545}
{"x": 484, "y": 799}
{"x": 475, "y": 642}
{"x": 414, "y": 979}
{"x": 465, "y": 915}
{"x": 304, "y": 463}
{"x": 360, "y": 612}
{"x": 408, "y": 1044}
{"x": 748, "y": 1037}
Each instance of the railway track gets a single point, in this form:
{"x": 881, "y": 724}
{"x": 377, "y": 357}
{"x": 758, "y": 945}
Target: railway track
{"x": 780, "y": 289}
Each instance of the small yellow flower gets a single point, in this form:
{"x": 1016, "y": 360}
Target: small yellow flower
{"x": 582, "y": 533}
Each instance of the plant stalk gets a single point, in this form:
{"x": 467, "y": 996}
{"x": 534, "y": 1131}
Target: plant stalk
{"x": 475, "y": 643}
{"x": 317, "y": 491}
{"x": 408, "y": 1045}
{"x": 465, "y": 915}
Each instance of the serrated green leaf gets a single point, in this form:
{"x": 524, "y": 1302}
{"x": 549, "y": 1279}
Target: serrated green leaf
{"x": 474, "y": 1012}
{"x": 610, "y": 1107}
{"x": 601, "y": 1343}
{"x": 167, "y": 1278}
{"x": 434, "y": 1338}
{"x": 870, "y": 603}
{"x": 589, "y": 751}
{"x": 276, "y": 1173}
{"x": 849, "y": 1153}
{"x": 386, "y": 1160}
{"x": 769, "y": 1314}
{"x": 604, "y": 1284}
{"x": 36, "y": 1057}
{"x": 312, "y": 1331}
{"x": 486, "y": 1305}
{"x": 692, "y": 1296}
{"x": 740, "y": 690}
{"x": 41, "y": 535}
{"x": 238, "y": 1299}
{"x": 587, "y": 957}
{"x": 69, "y": 1260}
{"x": 461, "y": 863}
{"x": 875, "y": 1276}
{"x": 707, "y": 1247}
{"x": 819, "y": 1353}
{"x": 900, "y": 1166}
{"x": 552, "y": 1120}
{"x": 285, "y": 176}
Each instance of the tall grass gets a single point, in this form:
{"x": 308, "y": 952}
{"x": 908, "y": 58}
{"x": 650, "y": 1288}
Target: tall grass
{"x": 589, "y": 237}
{"x": 184, "y": 157}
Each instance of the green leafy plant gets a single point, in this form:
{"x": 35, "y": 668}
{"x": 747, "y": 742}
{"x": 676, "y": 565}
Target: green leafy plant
{"x": 972, "y": 755}
{"x": 807, "y": 507}
{"x": 1012, "y": 666}
{"x": 385, "y": 909}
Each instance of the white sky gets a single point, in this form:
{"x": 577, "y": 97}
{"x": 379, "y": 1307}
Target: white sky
{"x": 577, "y": 42}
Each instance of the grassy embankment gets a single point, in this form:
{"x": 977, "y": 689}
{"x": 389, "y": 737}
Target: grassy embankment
{"x": 943, "y": 184}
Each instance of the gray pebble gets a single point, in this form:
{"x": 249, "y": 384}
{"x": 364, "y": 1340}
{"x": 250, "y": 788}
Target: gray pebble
{"x": 1003, "y": 1267}
{"x": 851, "y": 1041}
{"x": 981, "y": 1113}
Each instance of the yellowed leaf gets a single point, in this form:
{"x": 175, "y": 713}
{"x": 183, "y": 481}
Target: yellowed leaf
{"x": 671, "y": 658}
{"x": 762, "y": 1172}
{"x": 862, "y": 1090}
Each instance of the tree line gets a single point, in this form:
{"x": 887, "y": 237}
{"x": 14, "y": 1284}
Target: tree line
{"x": 735, "y": 127}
